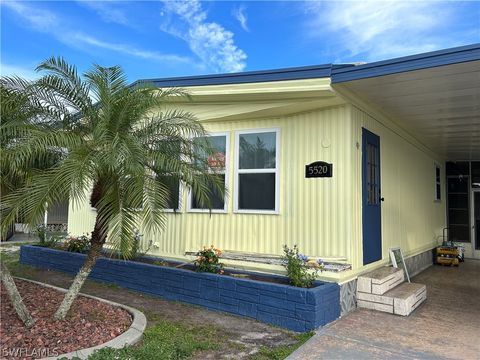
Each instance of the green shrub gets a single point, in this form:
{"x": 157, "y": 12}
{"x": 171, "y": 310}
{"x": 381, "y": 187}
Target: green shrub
{"x": 299, "y": 273}
{"x": 51, "y": 242}
{"x": 41, "y": 232}
{"x": 78, "y": 244}
{"x": 135, "y": 250}
{"x": 208, "y": 260}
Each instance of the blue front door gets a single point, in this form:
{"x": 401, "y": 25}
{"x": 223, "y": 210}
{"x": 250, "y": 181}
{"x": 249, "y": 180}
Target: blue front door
{"x": 371, "y": 209}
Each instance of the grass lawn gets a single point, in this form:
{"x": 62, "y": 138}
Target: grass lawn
{"x": 179, "y": 331}
{"x": 166, "y": 340}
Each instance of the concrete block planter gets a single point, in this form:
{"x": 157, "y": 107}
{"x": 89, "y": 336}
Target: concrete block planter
{"x": 286, "y": 306}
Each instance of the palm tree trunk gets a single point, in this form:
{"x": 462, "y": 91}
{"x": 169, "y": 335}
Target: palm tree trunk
{"x": 15, "y": 297}
{"x": 97, "y": 241}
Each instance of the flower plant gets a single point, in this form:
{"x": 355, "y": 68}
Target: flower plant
{"x": 299, "y": 272}
{"x": 208, "y": 260}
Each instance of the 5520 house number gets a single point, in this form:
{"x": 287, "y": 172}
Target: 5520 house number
{"x": 318, "y": 169}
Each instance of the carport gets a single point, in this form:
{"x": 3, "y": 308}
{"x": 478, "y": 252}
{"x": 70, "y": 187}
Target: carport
{"x": 436, "y": 98}
{"x": 446, "y": 326}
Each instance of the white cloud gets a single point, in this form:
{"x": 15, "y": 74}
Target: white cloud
{"x": 239, "y": 14}
{"x": 376, "y": 30}
{"x": 24, "y": 72}
{"x": 37, "y": 18}
{"x": 48, "y": 22}
{"x": 126, "y": 49}
{"x": 210, "y": 41}
{"x": 107, "y": 13}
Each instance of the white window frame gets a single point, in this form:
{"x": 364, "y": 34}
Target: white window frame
{"x": 238, "y": 171}
{"x": 224, "y": 172}
{"x": 439, "y": 182}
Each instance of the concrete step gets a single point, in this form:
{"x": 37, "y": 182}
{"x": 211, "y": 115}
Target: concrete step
{"x": 407, "y": 297}
{"x": 380, "y": 281}
{"x": 401, "y": 300}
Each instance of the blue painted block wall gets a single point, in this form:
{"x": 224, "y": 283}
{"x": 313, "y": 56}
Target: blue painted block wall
{"x": 286, "y": 306}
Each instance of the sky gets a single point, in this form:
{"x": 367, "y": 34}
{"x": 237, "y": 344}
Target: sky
{"x": 157, "y": 39}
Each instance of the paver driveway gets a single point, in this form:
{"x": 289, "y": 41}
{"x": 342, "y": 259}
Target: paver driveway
{"x": 447, "y": 326}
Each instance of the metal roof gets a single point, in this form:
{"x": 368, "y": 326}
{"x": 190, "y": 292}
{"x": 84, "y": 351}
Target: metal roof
{"x": 293, "y": 73}
{"x": 408, "y": 63}
{"x": 338, "y": 72}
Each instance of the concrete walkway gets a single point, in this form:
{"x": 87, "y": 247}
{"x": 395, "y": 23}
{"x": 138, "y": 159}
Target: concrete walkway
{"x": 13, "y": 244}
{"x": 19, "y": 238}
{"x": 447, "y": 326}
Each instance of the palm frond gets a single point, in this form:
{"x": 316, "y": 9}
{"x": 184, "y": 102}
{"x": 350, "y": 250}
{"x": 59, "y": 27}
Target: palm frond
{"x": 57, "y": 143}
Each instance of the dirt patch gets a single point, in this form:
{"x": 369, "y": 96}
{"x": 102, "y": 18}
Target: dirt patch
{"x": 275, "y": 279}
{"x": 89, "y": 323}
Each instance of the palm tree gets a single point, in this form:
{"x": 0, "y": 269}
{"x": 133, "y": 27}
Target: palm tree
{"x": 111, "y": 142}
{"x": 16, "y": 111}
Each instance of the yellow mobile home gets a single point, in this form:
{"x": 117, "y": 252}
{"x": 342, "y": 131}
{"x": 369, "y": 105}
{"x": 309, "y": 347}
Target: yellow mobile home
{"x": 346, "y": 161}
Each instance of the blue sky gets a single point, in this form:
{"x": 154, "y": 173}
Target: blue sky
{"x": 168, "y": 38}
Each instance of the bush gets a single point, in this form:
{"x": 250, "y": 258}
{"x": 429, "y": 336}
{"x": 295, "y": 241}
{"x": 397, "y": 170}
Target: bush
{"x": 51, "y": 242}
{"x": 298, "y": 271}
{"x": 208, "y": 260}
{"x": 135, "y": 247}
{"x": 41, "y": 232}
{"x": 78, "y": 244}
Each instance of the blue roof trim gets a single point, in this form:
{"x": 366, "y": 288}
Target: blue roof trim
{"x": 338, "y": 72}
{"x": 408, "y": 63}
{"x": 294, "y": 73}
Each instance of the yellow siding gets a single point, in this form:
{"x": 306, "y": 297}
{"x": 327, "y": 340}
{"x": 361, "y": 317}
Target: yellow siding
{"x": 81, "y": 217}
{"x": 314, "y": 213}
{"x": 311, "y": 210}
{"x": 410, "y": 216}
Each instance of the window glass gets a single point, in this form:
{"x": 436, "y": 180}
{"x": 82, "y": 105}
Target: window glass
{"x": 373, "y": 176}
{"x": 257, "y": 171}
{"x": 438, "y": 189}
{"x": 457, "y": 168}
{"x": 257, "y": 191}
{"x": 173, "y": 185}
{"x": 216, "y": 163}
{"x": 475, "y": 174}
{"x": 257, "y": 151}
{"x": 217, "y": 202}
{"x": 219, "y": 144}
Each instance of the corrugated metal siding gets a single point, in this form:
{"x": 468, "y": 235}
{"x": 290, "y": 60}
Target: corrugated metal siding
{"x": 313, "y": 212}
{"x": 316, "y": 214}
{"x": 58, "y": 213}
{"x": 81, "y": 217}
{"x": 410, "y": 216}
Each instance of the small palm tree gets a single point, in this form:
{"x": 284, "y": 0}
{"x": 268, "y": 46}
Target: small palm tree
{"x": 111, "y": 142}
{"x": 16, "y": 111}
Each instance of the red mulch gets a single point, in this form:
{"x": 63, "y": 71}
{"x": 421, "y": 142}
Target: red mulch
{"x": 88, "y": 323}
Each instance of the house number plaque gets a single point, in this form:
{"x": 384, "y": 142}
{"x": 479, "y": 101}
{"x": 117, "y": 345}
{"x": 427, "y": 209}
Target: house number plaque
{"x": 318, "y": 169}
